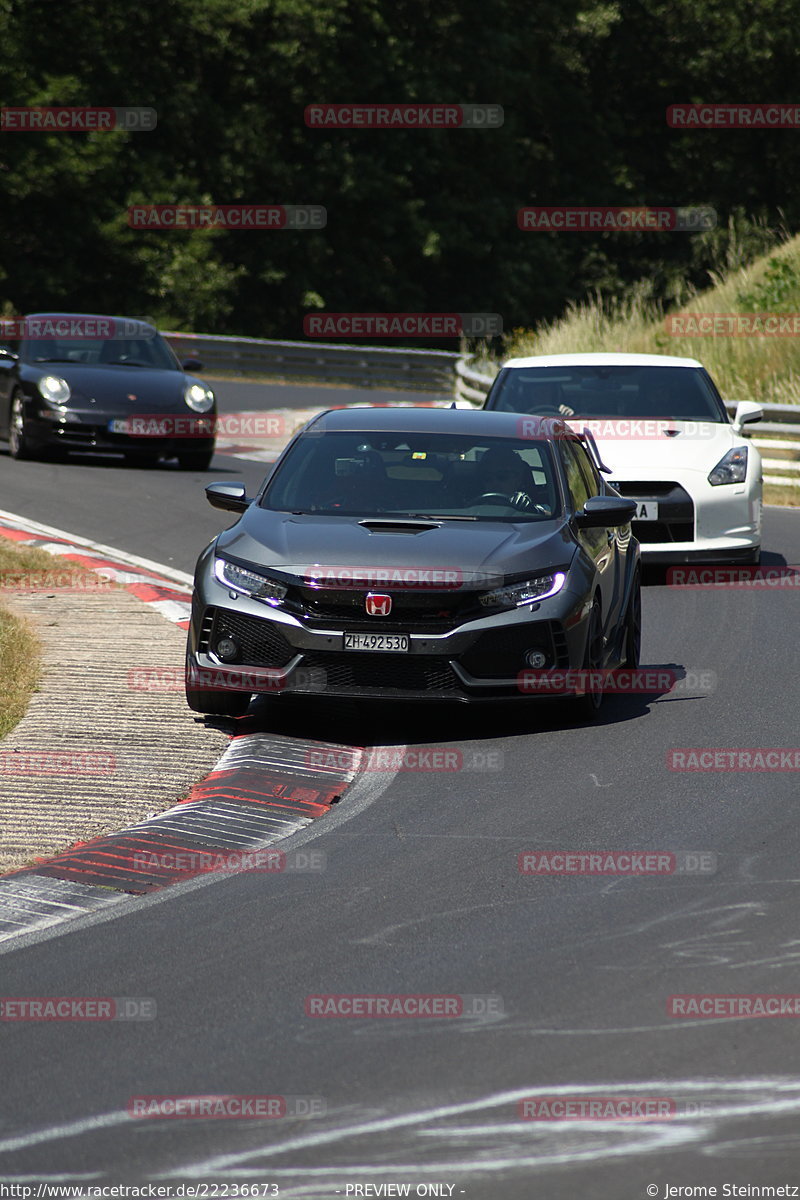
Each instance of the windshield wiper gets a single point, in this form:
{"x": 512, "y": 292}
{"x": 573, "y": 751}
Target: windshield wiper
{"x": 77, "y": 362}
{"x": 128, "y": 362}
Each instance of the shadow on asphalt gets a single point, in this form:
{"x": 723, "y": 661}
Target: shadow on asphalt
{"x": 390, "y": 723}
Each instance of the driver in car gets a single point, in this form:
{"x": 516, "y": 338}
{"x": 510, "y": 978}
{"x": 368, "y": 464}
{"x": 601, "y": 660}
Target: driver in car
{"x": 503, "y": 474}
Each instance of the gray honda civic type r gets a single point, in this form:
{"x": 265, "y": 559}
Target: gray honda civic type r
{"x": 418, "y": 554}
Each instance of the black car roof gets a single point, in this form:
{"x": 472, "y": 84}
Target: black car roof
{"x": 413, "y": 419}
{"x": 73, "y": 316}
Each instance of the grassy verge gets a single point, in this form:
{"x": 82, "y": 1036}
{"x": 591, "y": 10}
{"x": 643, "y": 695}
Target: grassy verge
{"x": 761, "y": 368}
{"x": 20, "y": 650}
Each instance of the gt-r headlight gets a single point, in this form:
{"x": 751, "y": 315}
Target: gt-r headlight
{"x": 260, "y": 587}
{"x": 732, "y": 468}
{"x": 198, "y": 397}
{"x": 527, "y": 592}
{"x": 54, "y": 389}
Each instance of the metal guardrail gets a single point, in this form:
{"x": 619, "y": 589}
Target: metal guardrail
{"x": 360, "y": 366}
{"x": 471, "y": 387}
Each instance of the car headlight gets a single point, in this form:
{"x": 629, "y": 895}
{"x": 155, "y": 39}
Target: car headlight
{"x": 260, "y": 587}
{"x": 731, "y": 468}
{"x": 527, "y": 592}
{"x": 198, "y": 397}
{"x": 54, "y": 389}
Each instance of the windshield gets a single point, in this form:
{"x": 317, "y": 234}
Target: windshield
{"x": 419, "y": 474}
{"x": 92, "y": 352}
{"x": 668, "y": 393}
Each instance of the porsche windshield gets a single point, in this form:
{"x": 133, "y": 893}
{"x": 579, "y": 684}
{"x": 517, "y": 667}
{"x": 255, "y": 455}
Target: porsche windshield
{"x": 102, "y": 352}
{"x": 669, "y": 393}
{"x": 433, "y": 475}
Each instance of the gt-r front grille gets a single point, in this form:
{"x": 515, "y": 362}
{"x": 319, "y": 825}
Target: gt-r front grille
{"x": 262, "y": 643}
{"x": 382, "y": 673}
{"x": 675, "y": 521}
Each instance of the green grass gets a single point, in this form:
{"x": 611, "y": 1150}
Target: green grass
{"x": 764, "y": 369}
{"x": 20, "y": 649}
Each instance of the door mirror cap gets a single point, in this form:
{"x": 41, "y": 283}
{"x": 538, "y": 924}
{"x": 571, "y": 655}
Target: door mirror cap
{"x": 600, "y": 512}
{"x": 747, "y": 413}
{"x": 192, "y": 364}
{"x": 230, "y": 497}
{"x": 6, "y": 353}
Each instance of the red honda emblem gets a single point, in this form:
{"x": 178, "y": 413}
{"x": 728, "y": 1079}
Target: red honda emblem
{"x": 378, "y": 604}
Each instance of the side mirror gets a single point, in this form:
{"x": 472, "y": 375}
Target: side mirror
{"x": 9, "y": 354}
{"x": 192, "y": 364}
{"x": 599, "y": 512}
{"x": 747, "y": 413}
{"x": 230, "y": 497}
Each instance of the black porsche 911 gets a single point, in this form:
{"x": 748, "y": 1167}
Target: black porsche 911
{"x": 416, "y": 553}
{"x": 74, "y": 381}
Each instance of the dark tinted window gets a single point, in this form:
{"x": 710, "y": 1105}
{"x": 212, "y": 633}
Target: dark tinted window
{"x": 578, "y": 486}
{"x": 670, "y": 393}
{"x": 367, "y": 474}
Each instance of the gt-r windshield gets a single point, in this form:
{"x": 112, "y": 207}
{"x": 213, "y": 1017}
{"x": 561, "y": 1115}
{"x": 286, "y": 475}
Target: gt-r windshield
{"x": 443, "y": 476}
{"x": 103, "y": 352}
{"x": 666, "y": 393}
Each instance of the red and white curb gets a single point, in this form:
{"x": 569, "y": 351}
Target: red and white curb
{"x": 261, "y": 791}
{"x": 166, "y": 590}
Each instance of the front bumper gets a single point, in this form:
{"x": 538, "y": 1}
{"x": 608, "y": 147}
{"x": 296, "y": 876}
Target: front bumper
{"x": 78, "y": 430}
{"x": 697, "y": 522}
{"x": 480, "y": 659}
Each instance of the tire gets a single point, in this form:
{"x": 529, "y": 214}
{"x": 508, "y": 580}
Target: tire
{"x": 195, "y": 460}
{"x": 586, "y": 707}
{"x": 633, "y": 627}
{"x": 19, "y": 443}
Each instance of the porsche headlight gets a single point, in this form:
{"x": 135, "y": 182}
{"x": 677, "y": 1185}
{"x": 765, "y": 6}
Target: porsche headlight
{"x": 527, "y": 592}
{"x": 260, "y": 587}
{"x": 732, "y": 468}
{"x": 54, "y": 389}
{"x": 198, "y": 397}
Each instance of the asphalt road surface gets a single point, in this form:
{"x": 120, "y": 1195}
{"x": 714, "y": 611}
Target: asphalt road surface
{"x": 422, "y": 895}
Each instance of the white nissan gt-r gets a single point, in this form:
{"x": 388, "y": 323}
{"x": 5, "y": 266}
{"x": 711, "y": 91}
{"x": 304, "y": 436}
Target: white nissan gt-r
{"x": 663, "y": 431}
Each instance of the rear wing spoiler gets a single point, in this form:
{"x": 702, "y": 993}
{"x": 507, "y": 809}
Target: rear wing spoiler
{"x": 587, "y": 437}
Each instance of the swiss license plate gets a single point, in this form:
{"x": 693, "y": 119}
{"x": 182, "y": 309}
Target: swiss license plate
{"x": 646, "y": 510}
{"x": 376, "y": 641}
